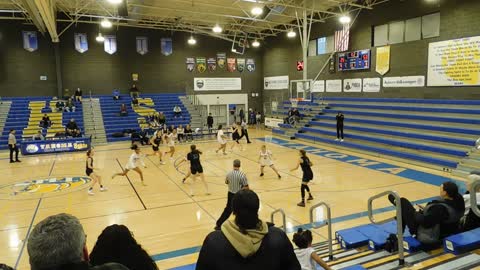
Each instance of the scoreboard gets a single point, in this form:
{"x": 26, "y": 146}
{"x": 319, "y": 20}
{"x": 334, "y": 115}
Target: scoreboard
{"x": 356, "y": 60}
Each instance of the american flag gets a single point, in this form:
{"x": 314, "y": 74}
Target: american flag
{"x": 341, "y": 38}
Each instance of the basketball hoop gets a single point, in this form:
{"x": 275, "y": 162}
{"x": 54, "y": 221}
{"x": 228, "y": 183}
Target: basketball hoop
{"x": 295, "y": 101}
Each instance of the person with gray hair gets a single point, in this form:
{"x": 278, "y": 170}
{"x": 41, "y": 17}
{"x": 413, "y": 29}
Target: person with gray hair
{"x": 236, "y": 181}
{"x": 59, "y": 243}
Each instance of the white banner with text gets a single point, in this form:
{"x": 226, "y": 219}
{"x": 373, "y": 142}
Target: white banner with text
{"x": 217, "y": 84}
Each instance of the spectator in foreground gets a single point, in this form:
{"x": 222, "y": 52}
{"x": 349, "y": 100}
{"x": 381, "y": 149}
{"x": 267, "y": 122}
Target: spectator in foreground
{"x": 78, "y": 95}
{"x": 38, "y": 136}
{"x": 5, "y": 267}
{"x": 59, "y": 243}
{"x": 45, "y": 123}
{"x": 210, "y": 122}
{"x": 177, "y": 111}
{"x": 445, "y": 212}
{"x": 72, "y": 129}
{"x": 470, "y": 220}
{"x": 247, "y": 242}
{"x": 117, "y": 244}
{"x": 123, "y": 110}
{"x": 305, "y": 253}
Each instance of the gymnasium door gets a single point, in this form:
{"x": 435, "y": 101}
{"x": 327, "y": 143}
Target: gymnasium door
{"x": 219, "y": 113}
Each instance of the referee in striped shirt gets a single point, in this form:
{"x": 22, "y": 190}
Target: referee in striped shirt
{"x": 236, "y": 181}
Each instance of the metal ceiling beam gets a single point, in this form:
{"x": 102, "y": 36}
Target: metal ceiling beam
{"x": 33, "y": 14}
{"x": 47, "y": 11}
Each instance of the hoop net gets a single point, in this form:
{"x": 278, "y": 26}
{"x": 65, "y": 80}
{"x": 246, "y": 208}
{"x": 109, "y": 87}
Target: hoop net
{"x": 295, "y": 101}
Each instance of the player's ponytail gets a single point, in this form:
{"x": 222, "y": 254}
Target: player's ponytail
{"x": 89, "y": 152}
{"x": 134, "y": 147}
{"x": 302, "y": 238}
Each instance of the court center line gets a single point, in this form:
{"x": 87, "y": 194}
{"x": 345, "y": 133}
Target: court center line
{"x": 28, "y": 234}
{"x": 134, "y": 189}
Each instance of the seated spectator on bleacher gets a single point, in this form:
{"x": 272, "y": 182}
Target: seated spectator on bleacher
{"x": 69, "y": 106}
{"x": 171, "y": 128}
{"x": 78, "y": 95}
{"x": 177, "y": 111}
{"x": 247, "y": 242}
{"x": 59, "y": 243}
{"x": 305, "y": 253}
{"x": 180, "y": 133}
{"x": 441, "y": 215}
{"x": 123, "y": 110}
{"x": 162, "y": 120}
{"x": 72, "y": 129}
{"x": 135, "y": 102}
{"x": 116, "y": 94}
{"x": 45, "y": 123}
{"x": 470, "y": 221}
{"x": 38, "y": 136}
{"x": 188, "y": 133}
{"x": 117, "y": 244}
{"x": 59, "y": 105}
{"x": 134, "y": 92}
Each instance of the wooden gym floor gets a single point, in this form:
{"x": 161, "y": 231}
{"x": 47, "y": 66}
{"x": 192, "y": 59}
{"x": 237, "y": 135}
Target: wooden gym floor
{"x": 172, "y": 225}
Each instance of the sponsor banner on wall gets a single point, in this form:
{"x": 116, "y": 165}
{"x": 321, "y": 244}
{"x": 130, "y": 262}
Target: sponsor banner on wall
{"x": 231, "y": 65}
{"x": 142, "y": 45}
{"x": 371, "y": 85}
{"x": 333, "y": 85}
{"x": 273, "y": 122}
{"x": 201, "y": 64}
{"x": 240, "y": 64}
{"x": 221, "y": 60}
{"x": 406, "y": 81}
{"x": 251, "y": 64}
{"x": 110, "y": 44}
{"x": 383, "y": 60}
{"x": 190, "y": 64}
{"x": 166, "y": 46}
{"x": 352, "y": 85}
{"x": 81, "y": 42}
{"x": 454, "y": 62}
{"x": 318, "y": 86}
{"x": 217, "y": 84}
{"x": 275, "y": 83}
{"x": 55, "y": 146}
{"x": 30, "y": 40}
{"x": 212, "y": 64}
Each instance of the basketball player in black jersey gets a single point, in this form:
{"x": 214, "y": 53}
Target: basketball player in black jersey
{"x": 196, "y": 168}
{"x": 90, "y": 173}
{"x": 306, "y": 165}
{"x": 155, "y": 142}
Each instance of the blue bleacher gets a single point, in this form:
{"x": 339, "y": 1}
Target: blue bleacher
{"x": 462, "y": 242}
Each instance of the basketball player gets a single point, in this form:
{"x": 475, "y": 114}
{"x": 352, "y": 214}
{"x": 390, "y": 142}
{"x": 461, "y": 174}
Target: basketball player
{"x": 306, "y": 165}
{"x": 135, "y": 158}
{"x": 170, "y": 141}
{"x": 265, "y": 159}
{"x": 155, "y": 141}
{"x": 89, "y": 171}
{"x": 222, "y": 139}
{"x": 196, "y": 168}
{"x": 235, "y": 136}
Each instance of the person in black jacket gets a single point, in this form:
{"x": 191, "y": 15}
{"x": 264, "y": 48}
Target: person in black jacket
{"x": 210, "y": 122}
{"x": 247, "y": 242}
{"x": 340, "y": 117}
{"x": 438, "y": 212}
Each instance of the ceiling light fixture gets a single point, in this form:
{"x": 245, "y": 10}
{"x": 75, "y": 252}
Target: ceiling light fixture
{"x": 100, "y": 38}
{"x": 106, "y": 23}
{"x": 255, "y": 43}
{"x": 115, "y": 2}
{"x": 192, "y": 41}
{"x": 257, "y": 11}
{"x": 345, "y": 19}
{"x": 291, "y": 33}
{"x": 217, "y": 29}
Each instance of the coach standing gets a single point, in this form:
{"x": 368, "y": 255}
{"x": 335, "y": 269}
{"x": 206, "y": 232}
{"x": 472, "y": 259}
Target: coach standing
{"x": 236, "y": 181}
{"x": 12, "y": 145}
{"x": 340, "y": 119}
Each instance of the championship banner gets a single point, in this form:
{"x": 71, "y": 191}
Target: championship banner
{"x": 110, "y": 44}
{"x": 201, "y": 64}
{"x": 454, "y": 62}
{"x": 221, "y": 59}
{"x": 142, "y": 45}
{"x": 383, "y": 60}
{"x": 212, "y": 64}
{"x": 250, "y": 65}
{"x": 30, "y": 40}
{"x": 190, "y": 64}
{"x": 166, "y": 46}
{"x": 231, "y": 67}
{"x": 81, "y": 42}
{"x": 240, "y": 64}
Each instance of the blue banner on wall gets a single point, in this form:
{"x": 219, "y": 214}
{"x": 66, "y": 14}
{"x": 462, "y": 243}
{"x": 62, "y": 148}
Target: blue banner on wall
{"x": 142, "y": 45}
{"x": 110, "y": 44}
{"x": 30, "y": 40}
{"x": 55, "y": 146}
{"x": 166, "y": 46}
{"x": 81, "y": 42}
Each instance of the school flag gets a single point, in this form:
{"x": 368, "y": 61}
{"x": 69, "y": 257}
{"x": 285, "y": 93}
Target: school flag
{"x": 221, "y": 59}
{"x": 142, "y": 45}
{"x": 250, "y": 64}
{"x": 212, "y": 64}
{"x": 201, "y": 64}
{"x": 231, "y": 67}
{"x": 110, "y": 44}
{"x": 383, "y": 60}
{"x": 240, "y": 64}
{"x": 30, "y": 41}
{"x": 166, "y": 46}
{"x": 190, "y": 64}
{"x": 81, "y": 42}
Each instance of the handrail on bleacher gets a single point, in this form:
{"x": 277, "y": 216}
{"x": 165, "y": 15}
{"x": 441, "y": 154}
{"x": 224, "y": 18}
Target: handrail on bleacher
{"x": 328, "y": 223}
{"x": 473, "y": 197}
{"x": 401, "y": 256}
{"x": 284, "y": 218}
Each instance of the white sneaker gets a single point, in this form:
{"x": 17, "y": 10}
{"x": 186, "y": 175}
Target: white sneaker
{"x": 103, "y": 189}
{"x": 337, "y": 139}
{"x": 90, "y": 192}
{"x": 341, "y": 140}
{"x": 163, "y": 162}
{"x": 171, "y": 158}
